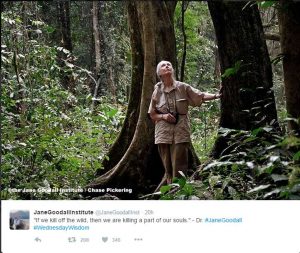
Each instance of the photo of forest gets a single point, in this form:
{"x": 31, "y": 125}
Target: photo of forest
{"x": 77, "y": 79}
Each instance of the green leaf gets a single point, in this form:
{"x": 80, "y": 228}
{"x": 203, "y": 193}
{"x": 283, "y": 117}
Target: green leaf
{"x": 112, "y": 113}
{"x": 188, "y": 189}
{"x": 256, "y": 131}
{"x": 233, "y": 70}
{"x": 291, "y": 141}
{"x": 229, "y": 72}
{"x": 296, "y": 157}
{"x": 249, "y": 139}
{"x": 266, "y": 169}
{"x": 181, "y": 182}
{"x": 266, "y": 4}
{"x": 50, "y": 29}
{"x": 214, "y": 180}
{"x": 234, "y": 167}
{"x": 164, "y": 189}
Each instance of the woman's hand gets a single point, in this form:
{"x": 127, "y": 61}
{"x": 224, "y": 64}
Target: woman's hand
{"x": 169, "y": 118}
{"x": 209, "y": 96}
{"x": 216, "y": 96}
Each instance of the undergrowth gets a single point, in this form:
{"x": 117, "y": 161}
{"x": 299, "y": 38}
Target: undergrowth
{"x": 258, "y": 164}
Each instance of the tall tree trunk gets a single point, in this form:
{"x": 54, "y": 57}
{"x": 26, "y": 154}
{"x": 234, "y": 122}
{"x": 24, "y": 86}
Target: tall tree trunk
{"x": 163, "y": 52}
{"x": 129, "y": 172}
{"x": 97, "y": 52}
{"x": 182, "y": 67}
{"x": 96, "y": 34}
{"x": 64, "y": 17}
{"x": 248, "y": 99}
{"x": 138, "y": 165}
{"x": 63, "y": 9}
{"x": 120, "y": 146}
{"x": 290, "y": 40}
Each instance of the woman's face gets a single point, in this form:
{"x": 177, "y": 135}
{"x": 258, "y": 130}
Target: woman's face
{"x": 165, "y": 68}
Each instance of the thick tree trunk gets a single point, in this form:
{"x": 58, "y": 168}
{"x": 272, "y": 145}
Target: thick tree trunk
{"x": 123, "y": 141}
{"x": 136, "y": 164}
{"x": 248, "y": 99}
{"x": 290, "y": 41}
{"x": 164, "y": 51}
{"x": 130, "y": 170}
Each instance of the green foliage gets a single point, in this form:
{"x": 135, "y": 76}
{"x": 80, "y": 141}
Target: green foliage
{"x": 114, "y": 43}
{"x": 50, "y": 137}
{"x": 179, "y": 189}
{"x": 56, "y": 149}
{"x": 199, "y": 68}
{"x": 204, "y": 127}
{"x": 199, "y": 71}
{"x": 258, "y": 164}
{"x": 266, "y": 4}
{"x": 232, "y": 71}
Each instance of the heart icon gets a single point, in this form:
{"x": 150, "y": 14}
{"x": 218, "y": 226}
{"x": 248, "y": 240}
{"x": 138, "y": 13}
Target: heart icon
{"x": 104, "y": 239}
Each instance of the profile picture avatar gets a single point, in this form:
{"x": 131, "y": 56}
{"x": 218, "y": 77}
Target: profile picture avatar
{"x": 19, "y": 220}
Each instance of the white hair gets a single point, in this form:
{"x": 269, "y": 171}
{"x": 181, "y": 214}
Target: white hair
{"x": 159, "y": 66}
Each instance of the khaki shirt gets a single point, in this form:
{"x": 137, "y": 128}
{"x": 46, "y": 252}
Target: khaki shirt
{"x": 177, "y": 99}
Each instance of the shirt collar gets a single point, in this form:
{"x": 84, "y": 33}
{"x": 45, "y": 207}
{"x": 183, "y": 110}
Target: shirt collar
{"x": 173, "y": 87}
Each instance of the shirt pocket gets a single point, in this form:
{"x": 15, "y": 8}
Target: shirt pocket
{"x": 182, "y": 106}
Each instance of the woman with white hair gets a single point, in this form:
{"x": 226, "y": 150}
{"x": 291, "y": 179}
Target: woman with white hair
{"x": 169, "y": 110}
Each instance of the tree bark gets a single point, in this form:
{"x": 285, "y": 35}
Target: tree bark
{"x": 96, "y": 38}
{"x": 123, "y": 141}
{"x": 290, "y": 40}
{"x": 163, "y": 52}
{"x": 272, "y": 36}
{"x": 248, "y": 99}
{"x": 63, "y": 9}
{"x": 110, "y": 81}
{"x": 217, "y": 68}
{"x": 64, "y": 17}
{"x": 182, "y": 67}
{"x": 138, "y": 165}
{"x": 129, "y": 172}
{"x": 97, "y": 52}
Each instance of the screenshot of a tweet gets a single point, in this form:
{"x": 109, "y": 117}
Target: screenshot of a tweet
{"x": 150, "y": 126}
{"x": 150, "y": 226}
